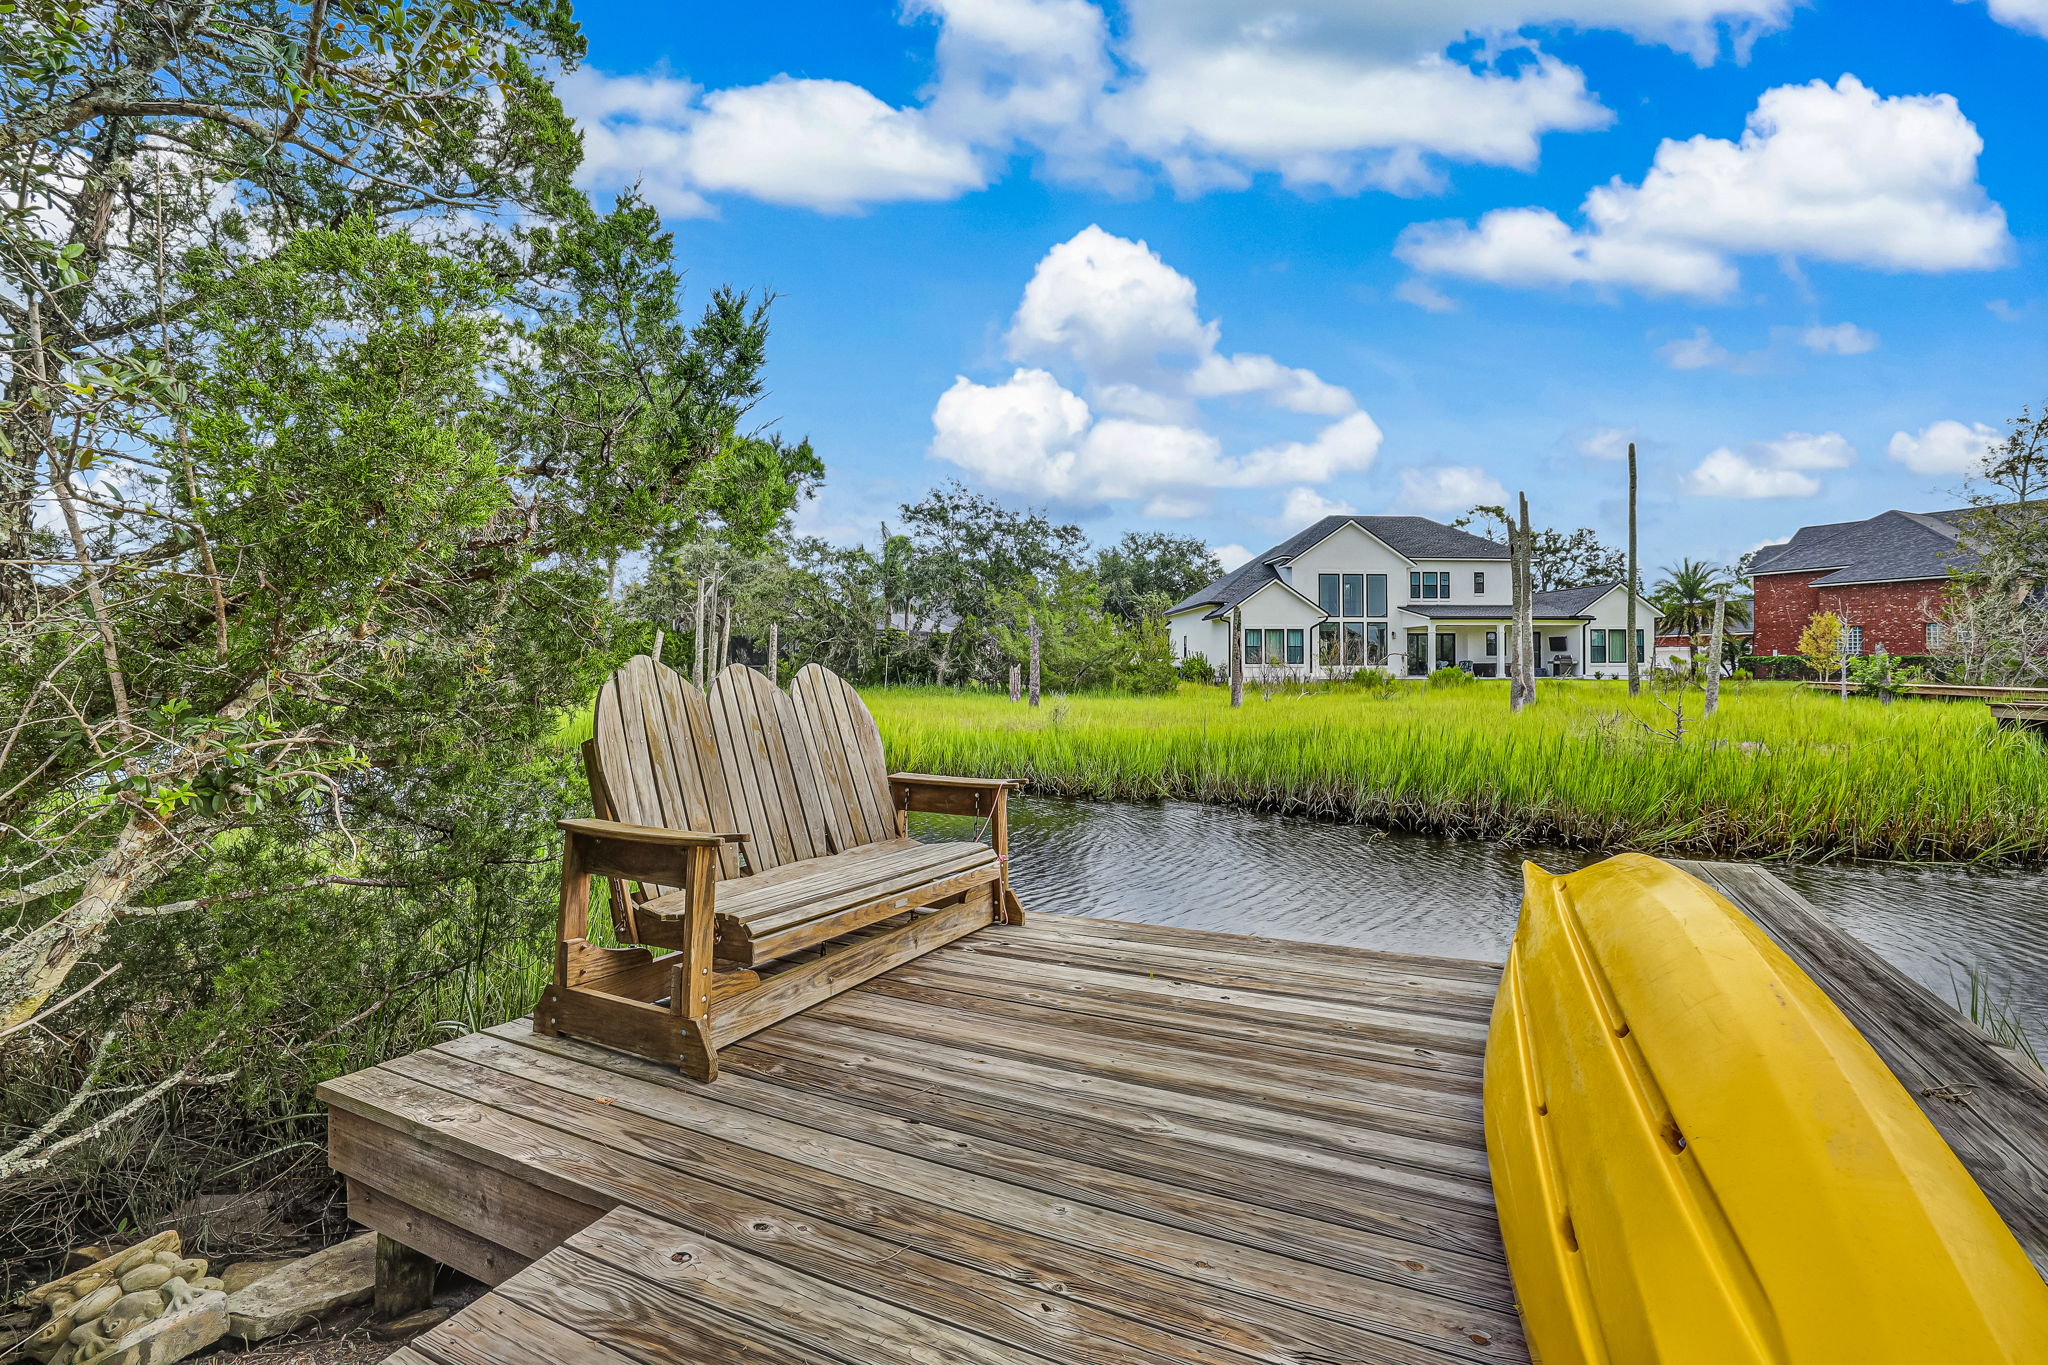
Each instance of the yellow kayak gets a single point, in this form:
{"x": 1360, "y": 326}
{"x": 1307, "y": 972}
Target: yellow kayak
{"x": 1697, "y": 1158}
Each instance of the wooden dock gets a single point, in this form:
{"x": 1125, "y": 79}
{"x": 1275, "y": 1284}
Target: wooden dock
{"x": 1071, "y": 1141}
{"x": 1074, "y": 1142}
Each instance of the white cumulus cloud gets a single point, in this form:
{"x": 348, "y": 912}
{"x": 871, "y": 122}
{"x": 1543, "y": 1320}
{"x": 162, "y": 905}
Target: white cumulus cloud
{"x": 1944, "y": 447}
{"x": 1123, "y": 325}
{"x": 1450, "y": 488}
{"x": 2030, "y": 16}
{"x": 1304, "y": 506}
{"x": 818, "y": 144}
{"x": 1605, "y": 443}
{"x": 1771, "y": 469}
{"x": 1697, "y": 352}
{"x": 1821, "y": 172}
{"x": 1844, "y": 338}
{"x": 1230, "y": 556}
{"x": 1327, "y": 95}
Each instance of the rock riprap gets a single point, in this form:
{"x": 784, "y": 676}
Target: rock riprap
{"x": 147, "y": 1305}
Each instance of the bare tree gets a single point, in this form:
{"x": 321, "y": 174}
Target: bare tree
{"x": 1635, "y": 662}
{"x": 1016, "y": 683}
{"x": 1236, "y": 657}
{"x": 1034, "y": 660}
{"x": 1522, "y": 579}
{"x": 1714, "y": 647}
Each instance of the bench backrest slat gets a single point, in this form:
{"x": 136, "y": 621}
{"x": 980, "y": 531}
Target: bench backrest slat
{"x": 841, "y": 733}
{"x": 777, "y": 791}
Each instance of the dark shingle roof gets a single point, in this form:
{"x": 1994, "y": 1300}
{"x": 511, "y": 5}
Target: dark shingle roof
{"x": 1414, "y": 537}
{"x": 1887, "y": 547}
{"x": 1557, "y": 604}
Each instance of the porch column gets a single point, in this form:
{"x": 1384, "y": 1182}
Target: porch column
{"x": 1429, "y": 651}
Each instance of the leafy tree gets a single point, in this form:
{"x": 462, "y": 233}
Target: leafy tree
{"x": 1685, "y": 603}
{"x": 1559, "y": 559}
{"x": 970, "y": 550}
{"x": 315, "y": 491}
{"x": 1821, "y": 643}
{"x": 1082, "y": 646}
{"x": 1147, "y": 571}
{"x": 1995, "y": 613}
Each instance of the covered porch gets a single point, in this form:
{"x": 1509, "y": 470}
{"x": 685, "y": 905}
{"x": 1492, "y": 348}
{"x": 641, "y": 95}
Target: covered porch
{"x": 1478, "y": 641}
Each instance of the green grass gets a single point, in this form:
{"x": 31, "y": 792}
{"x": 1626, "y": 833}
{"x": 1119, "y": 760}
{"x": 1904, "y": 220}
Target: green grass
{"x": 1780, "y": 772}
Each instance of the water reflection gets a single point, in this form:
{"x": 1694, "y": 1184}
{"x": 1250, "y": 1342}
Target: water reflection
{"x": 1213, "y": 867}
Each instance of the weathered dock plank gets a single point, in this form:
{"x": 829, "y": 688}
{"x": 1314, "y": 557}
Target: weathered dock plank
{"x": 1070, "y": 1141}
{"x": 1991, "y": 1108}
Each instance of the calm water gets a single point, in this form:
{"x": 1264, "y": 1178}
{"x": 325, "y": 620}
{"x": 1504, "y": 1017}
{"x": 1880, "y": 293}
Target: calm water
{"x": 1212, "y": 867}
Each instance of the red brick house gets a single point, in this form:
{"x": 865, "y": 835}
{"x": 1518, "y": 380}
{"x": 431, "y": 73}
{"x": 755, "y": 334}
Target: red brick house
{"x": 1884, "y": 576}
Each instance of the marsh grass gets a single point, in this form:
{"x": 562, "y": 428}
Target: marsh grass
{"x": 1780, "y": 771}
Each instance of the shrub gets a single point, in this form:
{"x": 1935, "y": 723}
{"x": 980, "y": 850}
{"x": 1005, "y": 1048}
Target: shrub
{"x": 1196, "y": 668}
{"x": 1450, "y": 675}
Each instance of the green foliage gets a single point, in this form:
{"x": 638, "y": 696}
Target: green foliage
{"x": 1451, "y": 676}
{"x": 1082, "y": 647}
{"x": 1995, "y": 614}
{"x": 1558, "y": 559}
{"x": 1821, "y": 643}
{"x": 1881, "y": 674}
{"x": 1148, "y": 571}
{"x": 1196, "y": 668}
{"x": 346, "y": 476}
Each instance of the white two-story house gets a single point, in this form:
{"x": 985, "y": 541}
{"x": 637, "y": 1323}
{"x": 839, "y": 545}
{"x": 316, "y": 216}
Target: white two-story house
{"x": 1405, "y": 594}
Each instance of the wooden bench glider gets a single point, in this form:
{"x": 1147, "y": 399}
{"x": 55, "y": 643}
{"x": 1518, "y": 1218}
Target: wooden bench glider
{"x": 761, "y": 836}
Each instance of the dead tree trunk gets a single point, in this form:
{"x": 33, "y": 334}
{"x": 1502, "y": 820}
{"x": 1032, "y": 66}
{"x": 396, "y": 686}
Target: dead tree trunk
{"x": 724, "y": 634}
{"x": 1016, "y": 683}
{"x": 1714, "y": 648}
{"x": 1034, "y": 661}
{"x": 1635, "y": 662}
{"x": 1521, "y": 575}
{"x": 1236, "y": 657}
{"x": 775, "y": 651}
{"x": 697, "y": 643}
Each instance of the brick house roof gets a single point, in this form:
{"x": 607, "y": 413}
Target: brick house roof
{"x": 1887, "y": 548}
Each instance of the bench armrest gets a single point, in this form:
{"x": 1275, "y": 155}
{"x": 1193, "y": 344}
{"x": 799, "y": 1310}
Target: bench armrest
{"x": 944, "y": 780}
{"x": 938, "y": 795}
{"x": 647, "y": 834}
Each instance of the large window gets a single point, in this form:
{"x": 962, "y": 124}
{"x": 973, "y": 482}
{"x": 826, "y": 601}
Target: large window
{"x": 1616, "y": 651}
{"x": 1596, "y": 646}
{"x": 1326, "y": 593}
{"x": 1429, "y": 585}
{"x": 1275, "y": 646}
{"x": 1492, "y": 644}
{"x": 1326, "y": 645}
{"x": 1251, "y": 646}
{"x": 1855, "y": 639}
{"x": 1294, "y": 646}
{"x": 1376, "y": 640}
{"x": 1354, "y": 592}
{"x": 1414, "y": 586}
{"x": 1354, "y": 644}
{"x": 1375, "y": 594}
{"x": 1933, "y": 636}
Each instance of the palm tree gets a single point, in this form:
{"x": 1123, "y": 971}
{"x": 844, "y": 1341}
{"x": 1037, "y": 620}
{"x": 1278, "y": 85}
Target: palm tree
{"x": 1685, "y": 602}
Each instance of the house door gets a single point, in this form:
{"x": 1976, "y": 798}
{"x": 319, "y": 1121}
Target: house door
{"x": 1447, "y": 650}
{"x": 1418, "y": 654}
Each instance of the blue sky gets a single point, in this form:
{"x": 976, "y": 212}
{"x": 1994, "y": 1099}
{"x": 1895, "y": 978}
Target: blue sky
{"x": 1219, "y": 266}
